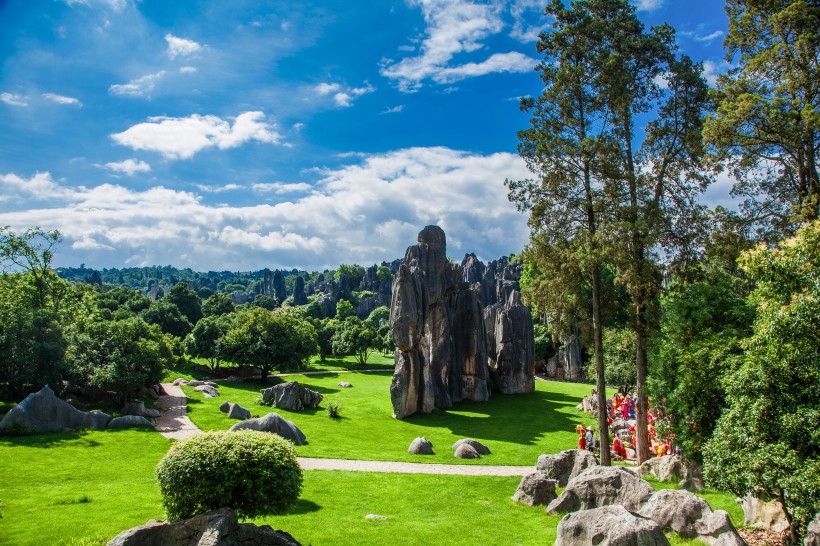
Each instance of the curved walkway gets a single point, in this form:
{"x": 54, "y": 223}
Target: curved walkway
{"x": 175, "y": 424}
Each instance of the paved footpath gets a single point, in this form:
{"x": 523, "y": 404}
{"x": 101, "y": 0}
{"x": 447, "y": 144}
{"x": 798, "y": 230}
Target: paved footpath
{"x": 174, "y": 423}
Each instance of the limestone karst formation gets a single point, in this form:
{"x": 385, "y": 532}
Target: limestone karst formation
{"x": 437, "y": 321}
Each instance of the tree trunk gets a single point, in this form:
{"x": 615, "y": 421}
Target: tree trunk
{"x": 600, "y": 383}
{"x": 641, "y": 426}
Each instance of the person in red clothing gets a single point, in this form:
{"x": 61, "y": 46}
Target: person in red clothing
{"x": 618, "y": 448}
{"x": 582, "y": 442}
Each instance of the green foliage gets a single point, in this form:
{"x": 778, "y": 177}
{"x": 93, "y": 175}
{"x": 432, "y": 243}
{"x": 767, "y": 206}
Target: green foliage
{"x": 379, "y": 314}
{"x": 383, "y": 274}
{"x": 355, "y": 337}
{"x": 353, "y": 275}
{"x": 32, "y": 251}
{"x": 619, "y": 357}
{"x": 253, "y": 473}
{"x": 265, "y": 302}
{"x": 325, "y": 330}
{"x": 168, "y": 317}
{"x": 186, "y": 300}
{"x": 333, "y": 409}
{"x": 207, "y": 341}
{"x": 543, "y": 342}
{"x": 344, "y": 309}
{"x": 217, "y": 304}
{"x": 768, "y": 440}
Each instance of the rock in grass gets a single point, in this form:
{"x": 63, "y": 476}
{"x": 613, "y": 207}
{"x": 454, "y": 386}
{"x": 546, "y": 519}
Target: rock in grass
{"x": 608, "y": 526}
{"x": 345, "y": 384}
{"x": 44, "y": 412}
{"x": 564, "y": 466}
{"x": 225, "y": 407}
{"x": 375, "y": 517}
{"x": 600, "y": 486}
{"x": 275, "y": 424}
{"x": 129, "y": 421}
{"x": 420, "y": 446}
{"x": 478, "y": 446}
{"x": 535, "y": 490}
{"x": 466, "y": 451}
{"x": 291, "y": 396}
{"x": 238, "y": 412}
{"x": 207, "y": 391}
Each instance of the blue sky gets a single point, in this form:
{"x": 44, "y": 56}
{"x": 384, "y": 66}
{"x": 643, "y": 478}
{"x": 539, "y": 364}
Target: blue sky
{"x": 241, "y": 135}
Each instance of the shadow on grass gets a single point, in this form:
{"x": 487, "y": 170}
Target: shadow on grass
{"x": 304, "y": 506}
{"x": 341, "y": 362}
{"x": 58, "y": 439}
{"x": 519, "y": 418}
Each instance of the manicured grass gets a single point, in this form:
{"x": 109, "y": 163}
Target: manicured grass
{"x": 81, "y": 487}
{"x": 516, "y": 428}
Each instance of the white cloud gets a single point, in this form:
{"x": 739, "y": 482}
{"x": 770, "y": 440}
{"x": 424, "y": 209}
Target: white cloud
{"x": 218, "y": 189}
{"x": 188, "y": 70}
{"x": 523, "y": 13}
{"x": 365, "y": 212}
{"x": 326, "y": 88}
{"x": 648, "y": 5}
{"x": 711, "y": 71}
{"x": 342, "y": 95}
{"x": 181, "y": 138}
{"x": 141, "y": 87}
{"x": 62, "y": 99}
{"x": 13, "y": 99}
{"x": 394, "y": 110}
{"x": 710, "y": 37}
{"x": 41, "y": 186}
{"x": 114, "y": 5}
{"x": 180, "y": 47}
{"x": 281, "y": 188}
{"x": 454, "y": 27}
{"x": 129, "y": 167}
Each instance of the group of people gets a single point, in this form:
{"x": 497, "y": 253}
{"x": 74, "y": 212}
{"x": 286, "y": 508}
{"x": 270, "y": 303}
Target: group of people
{"x": 587, "y": 437}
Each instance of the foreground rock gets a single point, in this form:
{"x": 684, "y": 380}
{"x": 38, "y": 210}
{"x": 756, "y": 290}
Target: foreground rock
{"x": 130, "y": 421}
{"x": 601, "y": 486}
{"x": 437, "y": 324}
{"x": 510, "y": 345}
{"x": 217, "y": 528}
{"x": 535, "y": 490}
{"x": 608, "y": 526}
{"x": 138, "y": 408}
{"x": 291, "y": 396}
{"x": 420, "y": 446}
{"x": 564, "y": 466}
{"x": 763, "y": 515}
{"x": 475, "y": 444}
{"x": 466, "y": 451}
{"x": 44, "y": 412}
{"x": 813, "y": 532}
{"x": 275, "y": 424}
{"x": 235, "y": 411}
{"x": 691, "y": 517}
{"x": 673, "y": 468}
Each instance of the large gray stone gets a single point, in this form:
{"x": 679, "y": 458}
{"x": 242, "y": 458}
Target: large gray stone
{"x": 813, "y": 532}
{"x": 207, "y": 391}
{"x": 564, "y": 466}
{"x": 535, "y": 489}
{"x": 673, "y": 468}
{"x": 275, "y": 424}
{"x": 129, "y": 421}
{"x": 420, "y": 446}
{"x": 608, "y": 526}
{"x": 678, "y": 510}
{"x": 235, "y": 411}
{"x": 44, "y": 412}
{"x": 217, "y": 528}
{"x": 466, "y": 451}
{"x": 716, "y": 529}
{"x": 291, "y": 396}
{"x": 475, "y": 444}
{"x": 601, "y": 486}
{"x": 763, "y": 514}
{"x": 510, "y": 345}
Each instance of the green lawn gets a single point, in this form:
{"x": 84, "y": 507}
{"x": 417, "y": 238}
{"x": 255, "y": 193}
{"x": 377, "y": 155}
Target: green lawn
{"x": 516, "y": 428}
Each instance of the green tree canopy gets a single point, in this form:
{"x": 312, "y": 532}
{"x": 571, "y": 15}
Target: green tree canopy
{"x": 217, "y": 304}
{"x": 186, "y": 300}
{"x": 356, "y": 338}
{"x": 168, "y": 317}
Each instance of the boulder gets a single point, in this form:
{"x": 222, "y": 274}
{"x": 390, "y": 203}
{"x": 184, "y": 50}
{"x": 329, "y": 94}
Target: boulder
{"x": 564, "y": 466}
{"x": 238, "y": 412}
{"x": 220, "y": 527}
{"x": 608, "y": 526}
{"x": 207, "y": 391}
{"x": 194, "y": 383}
{"x": 678, "y": 510}
{"x": 275, "y": 424}
{"x": 535, "y": 489}
{"x": 601, "y": 486}
{"x": 129, "y": 421}
{"x": 291, "y": 396}
{"x": 813, "y": 532}
{"x": 151, "y": 413}
{"x": 716, "y": 529}
{"x": 420, "y": 446}
{"x": 673, "y": 468}
{"x": 44, "y": 412}
{"x": 138, "y": 408}
{"x": 510, "y": 345}
{"x": 180, "y": 381}
{"x": 478, "y": 446}
{"x": 764, "y": 515}
{"x": 466, "y": 451}
{"x": 345, "y": 384}
{"x": 225, "y": 407}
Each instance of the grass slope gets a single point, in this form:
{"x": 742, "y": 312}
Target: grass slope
{"x": 516, "y": 428}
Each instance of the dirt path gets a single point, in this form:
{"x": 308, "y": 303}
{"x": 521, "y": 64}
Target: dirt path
{"x": 173, "y": 421}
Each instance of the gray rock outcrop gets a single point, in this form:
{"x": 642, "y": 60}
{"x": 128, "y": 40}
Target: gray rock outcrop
{"x": 763, "y": 515}
{"x": 44, "y": 412}
{"x": 691, "y": 517}
{"x": 345, "y": 384}
{"x": 510, "y": 345}
{"x": 567, "y": 363}
{"x": 608, "y": 526}
{"x": 129, "y": 421}
{"x": 275, "y": 424}
{"x": 466, "y": 451}
{"x": 420, "y": 446}
{"x": 475, "y": 444}
{"x": 813, "y": 532}
{"x": 437, "y": 324}
{"x": 218, "y": 528}
{"x": 207, "y": 391}
{"x": 601, "y": 486}
{"x": 535, "y": 490}
{"x": 673, "y": 468}
{"x": 138, "y": 408}
{"x": 234, "y": 411}
{"x": 566, "y": 465}
{"x": 291, "y": 396}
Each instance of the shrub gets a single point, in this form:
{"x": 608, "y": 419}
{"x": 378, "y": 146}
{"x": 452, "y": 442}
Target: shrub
{"x": 253, "y": 473}
{"x": 333, "y": 410}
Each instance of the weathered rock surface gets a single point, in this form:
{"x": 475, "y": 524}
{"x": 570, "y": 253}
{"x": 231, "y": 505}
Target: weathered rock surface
{"x": 716, "y": 529}
{"x": 478, "y": 446}
{"x": 275, "y": 424}
{"x": 608, "y": 526}
{"x": 535, "y": 489}
{"x": 567, "y": 363}
{"x": 813, "y": 532}
{"x": 763, "y": 514}
{"x": 138, "y": 408}
{"x": 437, "y": 324}
{"x": 291, "y": 396}
{"x": 207, "y": 391}
{"x": 44, "y": 412}
{"x": 510, "y": 345}
{"x": 345, "y": 384}
{"x": 564, "y": 466}
{"x": 466, "y": 451}
{"x": 602, "y": 486}
{"x": 235, "y": 411}
{"x": 217, "y": 528}
{"x": 420, "y": 446}
{"x": 673, "y": 468}
{"x": 224, "y": 407}
{"x": 129, "y": 421}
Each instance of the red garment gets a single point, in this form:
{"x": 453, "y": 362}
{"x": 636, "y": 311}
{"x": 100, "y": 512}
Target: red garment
{"x": 582, "y": 442}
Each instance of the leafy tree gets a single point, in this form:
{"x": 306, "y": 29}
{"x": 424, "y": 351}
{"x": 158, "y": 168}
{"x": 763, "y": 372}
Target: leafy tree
{"x": 33, "y": 251}
{"x": 355, "y": 337}
{"x": 186, "y": 300}
{"x": 353, "y": 275}
{"x": 168, "y": 317}
{"x": 265, "y": 302}
{"x": 768, "y": 440}
{"x": 207, "y": 339}
{"x": 118, "y": 357}
{"x": 543, "y": 342}
{"x": 377, "y": 315}
{"x": 218, "y": 304}
{"x": 766, "y": 126}
{"x": 283, "y": 340}
{"x": 325, "y": 330}
{"x": 344, "y": 309}
{"x": 619, "y": 356}
{"x": 383, "y": 274}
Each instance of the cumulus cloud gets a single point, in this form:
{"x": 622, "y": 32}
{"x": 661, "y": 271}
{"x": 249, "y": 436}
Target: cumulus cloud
{"x": 114, "y": 5}
{"x": 712, "y": 69}
{"x": 188, "y": 70}
{"x": 393, "y": 110}
{"x": 454, "y": 27}
{"x": 140, "y": 87}
{"x": 129, "y": 167}
{"x": 13, "y": 99}
{"x": 342, "y": 95}
{"x": 364, "y": 212}
{"x": 648, "y": 5}
{"x": 180, "y": 47}
{"x": 40, "y": 186}
{"x": 62, "y": 99}
{"x": 182, "y": 138}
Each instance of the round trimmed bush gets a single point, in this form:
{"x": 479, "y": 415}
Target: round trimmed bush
{"x": 253, "y": 473}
